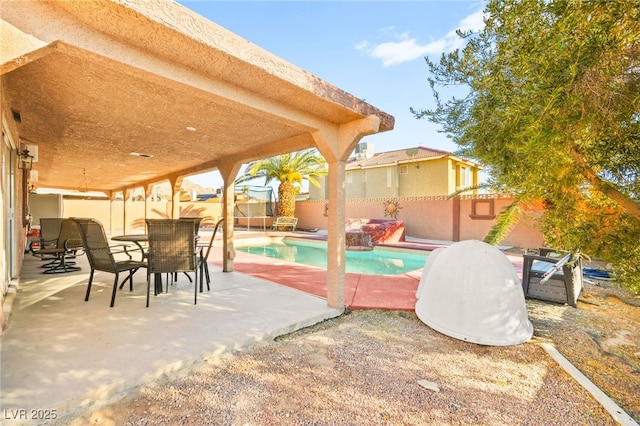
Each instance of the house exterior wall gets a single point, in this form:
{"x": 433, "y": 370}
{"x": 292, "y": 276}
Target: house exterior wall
{"x": 14, "y": 208}
{"x": 424, "y": 178}
{"x": 420, "y": 178}
{"x": 355, "y": 183}
{"x": 461, "y": 176}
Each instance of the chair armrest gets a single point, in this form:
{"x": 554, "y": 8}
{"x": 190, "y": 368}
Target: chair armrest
{"x": 124, "y": 248}
{"x": 73, "y": 244}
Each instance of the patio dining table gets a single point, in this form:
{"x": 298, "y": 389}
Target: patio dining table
{"x": 140, "y": 240}
{"x": 137, "y": 239}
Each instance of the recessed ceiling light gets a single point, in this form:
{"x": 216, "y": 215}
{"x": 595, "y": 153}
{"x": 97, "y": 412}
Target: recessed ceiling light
{"x": 138, "y": 154}
{"x": 191, "y": 129}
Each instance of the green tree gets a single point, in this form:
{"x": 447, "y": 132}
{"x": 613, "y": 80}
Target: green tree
{"x": 290, "y": 170}
{"x": 552, "y": 107}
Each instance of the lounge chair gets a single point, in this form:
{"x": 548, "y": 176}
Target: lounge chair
{"x": 284, "y": 223}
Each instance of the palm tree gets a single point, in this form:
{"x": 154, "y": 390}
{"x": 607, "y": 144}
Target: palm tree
{"x": 290, "y": 170}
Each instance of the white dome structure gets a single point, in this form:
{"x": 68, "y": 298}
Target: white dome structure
{"x": 427, "y": 267}
{"x": 471, "y": 291}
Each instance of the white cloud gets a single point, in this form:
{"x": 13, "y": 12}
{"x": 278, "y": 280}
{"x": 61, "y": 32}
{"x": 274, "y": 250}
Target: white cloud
{"x": 394, "y": 53}
{"x": 407, "y": 49}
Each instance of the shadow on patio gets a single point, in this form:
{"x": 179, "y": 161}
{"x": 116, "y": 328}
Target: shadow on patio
{"x": 62, "y": 353}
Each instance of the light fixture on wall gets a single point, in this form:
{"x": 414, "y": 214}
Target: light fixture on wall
{"x": 25, "y": 160}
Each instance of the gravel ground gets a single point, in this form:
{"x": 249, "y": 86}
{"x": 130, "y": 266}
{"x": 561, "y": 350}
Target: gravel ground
{"x": 367, "y": 367}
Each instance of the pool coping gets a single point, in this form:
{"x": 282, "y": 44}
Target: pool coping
{"x": 362, "y": 291}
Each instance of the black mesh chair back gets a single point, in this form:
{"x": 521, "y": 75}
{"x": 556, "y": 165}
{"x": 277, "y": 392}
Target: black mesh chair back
{"x": 70, "y": 238}
{"x": 62, "y": 250}
{"x": 172, "y": 249}
{"x": 96, "y": 245}
{"x": 101, "y": 255}
{"x": 50, "y": 231}
{"x": 196, "y": 222}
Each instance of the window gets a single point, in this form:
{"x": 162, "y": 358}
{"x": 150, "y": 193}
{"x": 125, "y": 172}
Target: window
{"x": 464, "y": 182}
{"x": 348, "y": 177}
{"x": 389, "y": 177}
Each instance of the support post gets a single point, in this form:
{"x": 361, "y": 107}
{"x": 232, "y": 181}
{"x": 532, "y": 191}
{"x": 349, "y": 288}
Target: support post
{"x": 228, "y": 173}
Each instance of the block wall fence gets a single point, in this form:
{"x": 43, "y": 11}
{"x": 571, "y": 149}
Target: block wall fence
{"x": 435, "y": 218}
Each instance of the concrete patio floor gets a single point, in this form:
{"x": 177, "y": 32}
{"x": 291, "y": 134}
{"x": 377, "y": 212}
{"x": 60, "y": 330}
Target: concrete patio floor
{"x": 62, "y": 353}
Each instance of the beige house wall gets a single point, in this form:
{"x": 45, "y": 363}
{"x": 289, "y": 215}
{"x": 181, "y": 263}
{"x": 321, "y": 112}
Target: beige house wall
{"x": 434, "y": 177}
{"x": 319, "y": 192}
{"x": 355, "y": 183}
{"x": 371, "y": 182}
{"x": 381, "y": 182}
{"x": 424, "y": 178}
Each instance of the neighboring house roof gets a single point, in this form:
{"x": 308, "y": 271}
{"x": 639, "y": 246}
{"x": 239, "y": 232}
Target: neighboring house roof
{"x": 405, "y": 155}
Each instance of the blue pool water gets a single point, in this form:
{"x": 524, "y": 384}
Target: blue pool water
{"x": 375, "y": 262}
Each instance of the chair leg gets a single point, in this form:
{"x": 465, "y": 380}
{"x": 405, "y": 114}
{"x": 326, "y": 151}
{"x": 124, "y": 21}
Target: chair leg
{"x": 170, "y": 278}
{"x": 129, "y": 278}
{"x": 204, "y": 273}
{"x": 113, "y": 293}
{"x": 86, "y": 298}
{"x": 201, "y": 277}
{"x": 195, "y": 286}
{"x": 148, "y": 287}
{"x": 131, "y": 272}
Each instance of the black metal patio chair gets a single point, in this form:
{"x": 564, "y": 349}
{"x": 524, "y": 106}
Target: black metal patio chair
{"x": 61, "y": 251}
{"x": 101, "y": 255}
{"x": 172, "y": 249}
{"x": 196, "y": 224}
{"x": 205, "y": 249}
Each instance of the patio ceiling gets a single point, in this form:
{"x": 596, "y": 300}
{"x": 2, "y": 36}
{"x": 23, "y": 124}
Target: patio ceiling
{"x": 89, "y": 83}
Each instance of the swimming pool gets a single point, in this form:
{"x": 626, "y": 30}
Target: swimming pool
{"x": 374, "y": 262}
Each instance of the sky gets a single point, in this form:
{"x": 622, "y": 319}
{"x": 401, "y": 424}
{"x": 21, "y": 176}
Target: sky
{"x": 373, "y": 50}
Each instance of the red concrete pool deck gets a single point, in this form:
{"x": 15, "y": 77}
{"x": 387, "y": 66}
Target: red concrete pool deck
{"x": 393, "y": 292}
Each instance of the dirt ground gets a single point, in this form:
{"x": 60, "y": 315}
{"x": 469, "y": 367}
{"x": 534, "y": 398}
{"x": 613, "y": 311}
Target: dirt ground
{"x": 388, "y": 368}
{"x": 601, "y": 338}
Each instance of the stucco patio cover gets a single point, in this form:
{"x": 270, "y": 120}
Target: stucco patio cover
{"x": 471, "y": 292}
{"x": 93, "y": 83}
